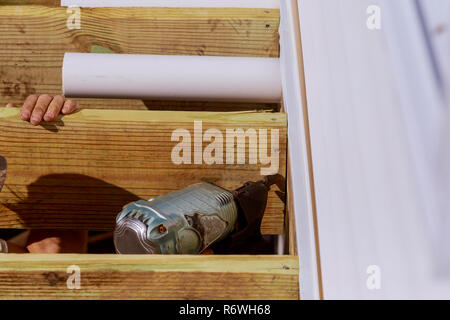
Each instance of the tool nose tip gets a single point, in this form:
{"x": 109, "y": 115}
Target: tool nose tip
{"x": 130, "y": 237}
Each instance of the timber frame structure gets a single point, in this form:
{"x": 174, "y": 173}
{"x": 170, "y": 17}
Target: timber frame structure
{"x": 34, "y": 38}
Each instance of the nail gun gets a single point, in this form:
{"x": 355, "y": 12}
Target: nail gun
{"x": 190, "y": 220}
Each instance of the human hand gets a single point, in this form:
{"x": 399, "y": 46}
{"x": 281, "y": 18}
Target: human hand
{"x": 45, "y": 108}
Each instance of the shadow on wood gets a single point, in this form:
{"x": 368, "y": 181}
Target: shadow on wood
{"x": 208, "y": 106}
{"x": 78, "y": 195}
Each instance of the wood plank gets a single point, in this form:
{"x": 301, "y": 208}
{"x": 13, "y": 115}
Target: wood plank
{"x": 53, "y": 3}
{"x": 35, "y": 38}
{"x": 26, "y": 276}
{"x": 79, "y": 171}
{"x": 290, "y": 228}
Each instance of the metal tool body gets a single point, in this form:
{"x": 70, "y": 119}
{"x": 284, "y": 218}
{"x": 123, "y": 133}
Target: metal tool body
{"x": 185, "y": 221}
{"x": 192, "y": 219}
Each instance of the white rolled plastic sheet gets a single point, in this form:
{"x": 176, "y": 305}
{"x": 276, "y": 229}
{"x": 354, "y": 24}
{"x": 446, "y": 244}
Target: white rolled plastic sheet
{"x": 267, "y": 4}
{"x": 171, "y": 77}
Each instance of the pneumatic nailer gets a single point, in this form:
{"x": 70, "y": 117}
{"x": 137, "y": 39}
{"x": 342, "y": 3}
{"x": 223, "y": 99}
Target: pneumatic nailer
{"x": 190, "y": 220}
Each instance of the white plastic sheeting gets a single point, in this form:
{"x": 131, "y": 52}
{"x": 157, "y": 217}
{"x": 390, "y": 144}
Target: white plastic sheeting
{"x": 267, "y": 4}
{"x": 374, "y": 110}
{"x": 436, "y": 18}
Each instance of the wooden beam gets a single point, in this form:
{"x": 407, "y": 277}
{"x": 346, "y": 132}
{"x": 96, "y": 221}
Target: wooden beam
{"x": 26, "y": 276}
{"x": 79, "y": 171}
{"x": 290, "y": 228}
{"x": 51, "y": 3}
{"x": 35, "y": 38}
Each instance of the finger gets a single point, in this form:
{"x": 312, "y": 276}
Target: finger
{"x": 10, "y": 105}
{"x": 40, "y": 109}
{"x": 28, "y": 107}
{"x": 69, "y": 107}
{"x": 54, "y": 108}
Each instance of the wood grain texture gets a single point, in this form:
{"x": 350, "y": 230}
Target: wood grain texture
{"x": 29, "y": 276}
{"x": 290, "y": 228}
{"x": 79, "y": 171}
{"x": 51, "y": 3}
{"x": 34, "y": 39}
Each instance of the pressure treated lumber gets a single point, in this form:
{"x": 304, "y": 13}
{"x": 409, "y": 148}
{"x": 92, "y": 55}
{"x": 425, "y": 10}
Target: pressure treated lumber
{"x": 53, "y": 3}
{"x": 34, "y": 39}
{"x": 29, "y": 276}
{"x": 290, "y": 228}
{"x": 79, "y": 171}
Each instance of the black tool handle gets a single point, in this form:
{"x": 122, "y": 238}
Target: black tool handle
{"x": 251, "y": 200}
